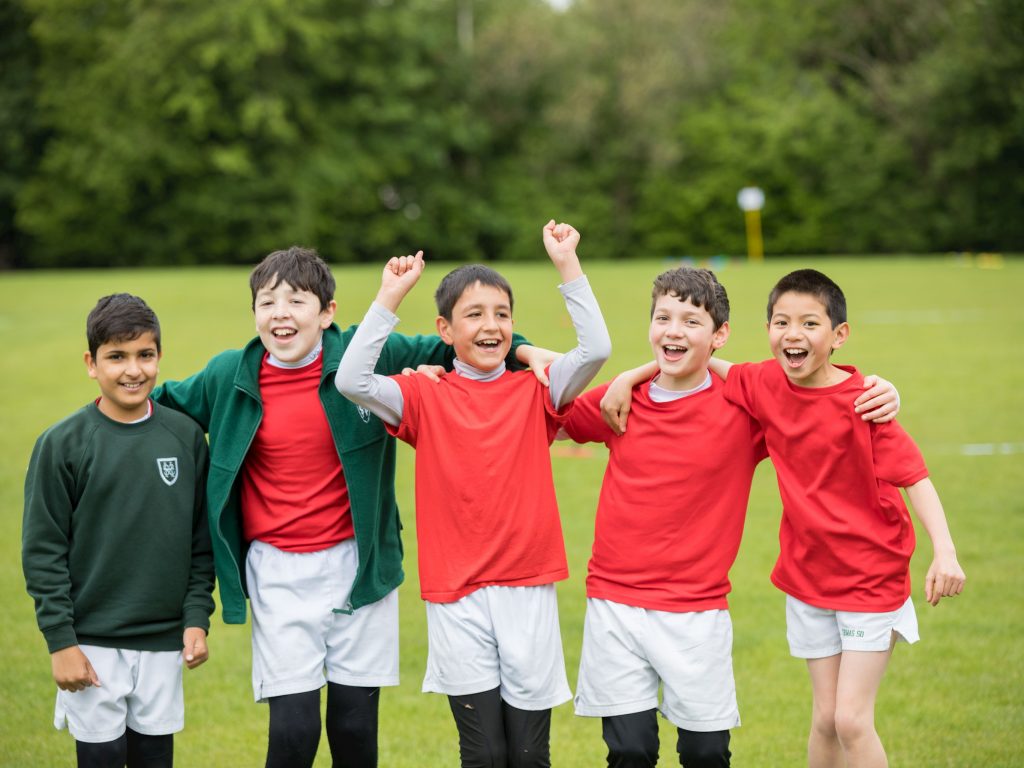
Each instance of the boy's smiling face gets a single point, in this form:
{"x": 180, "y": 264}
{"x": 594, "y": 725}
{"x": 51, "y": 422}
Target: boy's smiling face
{"x": 290, "y": 321}
{"x": 481, "y": 327}
{"x": 802, "y": 338}
{"x": 126, "y": 372}
{"x": 683, "y": 336}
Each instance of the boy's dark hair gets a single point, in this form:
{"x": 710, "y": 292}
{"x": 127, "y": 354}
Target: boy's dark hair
{"x": 120, "y": 317}
{"x": 455, "y": 283}
{"x": 699, "y": 286}
{"x": 812, "y": 282}
{"x": 301, "y": 268}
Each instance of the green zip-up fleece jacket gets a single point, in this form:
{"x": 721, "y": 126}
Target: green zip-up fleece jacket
{"x": 224, "y": 399}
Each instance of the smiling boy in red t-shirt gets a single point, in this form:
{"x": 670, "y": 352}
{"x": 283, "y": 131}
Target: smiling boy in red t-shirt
{"x": 846, "y": 537}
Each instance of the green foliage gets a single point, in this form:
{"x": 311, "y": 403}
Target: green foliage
{"x": 188, "y": 132}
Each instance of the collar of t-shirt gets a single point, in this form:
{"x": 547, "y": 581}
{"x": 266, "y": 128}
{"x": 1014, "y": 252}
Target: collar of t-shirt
{"x": 310, "y": 358}
{"x": 149, "y": 411}
{"x": 476, "y": 374}
{"x": 662, "y": 395}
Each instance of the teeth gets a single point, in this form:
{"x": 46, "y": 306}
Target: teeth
{"x": 284, "y": 332}
{"x": 488, "y": 343}
{"x": 673, "y": 348}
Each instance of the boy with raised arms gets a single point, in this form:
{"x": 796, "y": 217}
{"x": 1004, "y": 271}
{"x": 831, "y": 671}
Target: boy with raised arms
{"x": 846, "y": 537}
{"x": 490, "y": 541}
{"x": 116, "y": 550}
{"x": 668, "y": 527}
{"x": 302, "y": 511}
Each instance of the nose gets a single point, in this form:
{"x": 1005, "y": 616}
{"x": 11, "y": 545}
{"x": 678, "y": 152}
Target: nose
{"x": 132, "y": 366}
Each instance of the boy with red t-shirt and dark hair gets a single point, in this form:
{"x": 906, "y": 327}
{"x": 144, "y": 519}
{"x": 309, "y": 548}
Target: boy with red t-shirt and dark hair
{"x": 668, "y": 527}
{"x": 846, "y": 537}
{"x": 490, "y": 541}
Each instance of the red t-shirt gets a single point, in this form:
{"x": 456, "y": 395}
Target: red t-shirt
{"x": 674, "y": 497}
{"x": 293, "y": 489}
{"x": 846, "y": 537}
{"x": 485, "y": 498}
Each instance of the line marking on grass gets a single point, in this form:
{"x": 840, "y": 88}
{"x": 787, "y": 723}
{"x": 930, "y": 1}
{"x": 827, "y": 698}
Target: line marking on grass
{"x": 991, "y": 449}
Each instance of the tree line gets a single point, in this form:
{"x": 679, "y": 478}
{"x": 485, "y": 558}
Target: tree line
{"x": 188, "y": 132}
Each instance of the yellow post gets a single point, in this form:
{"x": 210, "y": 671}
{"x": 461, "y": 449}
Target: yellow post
{"x": 755, "y": 244}
{"x": 751, "y": 201}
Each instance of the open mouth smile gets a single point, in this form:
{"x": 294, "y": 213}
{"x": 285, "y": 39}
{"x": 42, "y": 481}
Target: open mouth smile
{"x": 795, "y": 356}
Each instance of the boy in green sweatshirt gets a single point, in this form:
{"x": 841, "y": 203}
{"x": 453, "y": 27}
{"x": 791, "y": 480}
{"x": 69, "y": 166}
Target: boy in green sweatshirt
{"x": 116, "y": 549}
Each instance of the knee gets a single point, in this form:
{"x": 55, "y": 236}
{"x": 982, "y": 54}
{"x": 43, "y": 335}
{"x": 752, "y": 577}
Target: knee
{"x": 851, "y": 725}
{"x": 631, "y": 749}
{"x": 699, "y": 749}
{"x": 296, "y": 734}
{"x": 631, "y": 754}
{"x": 483, "y": 755}
{"x": 823, "y": 722}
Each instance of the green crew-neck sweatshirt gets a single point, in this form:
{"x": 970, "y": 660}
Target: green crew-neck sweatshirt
{"x": 115, "y": 542}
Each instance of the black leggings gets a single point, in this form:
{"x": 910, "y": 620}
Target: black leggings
{"x": 494, "y": 734}
{"x": 351, "y": 727}
{"x": 136, "y": 750}
{"x": 633, "y": 743}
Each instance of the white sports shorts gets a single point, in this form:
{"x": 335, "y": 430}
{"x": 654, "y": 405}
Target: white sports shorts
{"x": 816, "y": 633}
{"x": 628, "y": 651}
{"x": 498, "y": 636}
{"x": 140, "y": 690}
{"x": 299, "y": 641}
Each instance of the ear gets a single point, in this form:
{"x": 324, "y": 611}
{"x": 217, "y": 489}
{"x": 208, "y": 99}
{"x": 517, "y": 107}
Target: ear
{"x": 720, "y": 336}
{"x": 840, "y": 334}
{"x": 444, "y": 330}
{"x": 327, "y": 314}
{"x": 90, "y": 364}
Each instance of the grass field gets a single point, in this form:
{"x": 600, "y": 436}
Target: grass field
{"x": 946, "y": 331}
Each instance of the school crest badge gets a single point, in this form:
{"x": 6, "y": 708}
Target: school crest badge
{"x": 364, "y": 414}
{"x": 168, "y": 470}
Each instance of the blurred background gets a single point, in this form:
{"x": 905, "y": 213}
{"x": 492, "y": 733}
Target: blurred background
{"x": 179, "y": 132}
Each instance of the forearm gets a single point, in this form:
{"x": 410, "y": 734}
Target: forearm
{"x": 719, "y": 367}
{"x": 571, "y": 373}
{"x": 356, "y": 379}
{"x": 928, "y": 508}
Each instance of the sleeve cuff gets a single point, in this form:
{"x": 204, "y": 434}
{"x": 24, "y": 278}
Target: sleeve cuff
{"x": 574, "y": 286}
{"x": 58, "y": 638}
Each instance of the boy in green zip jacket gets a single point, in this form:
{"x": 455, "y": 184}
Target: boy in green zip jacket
{"x": 302, "y": 510}
{"x": 116, "y": 550}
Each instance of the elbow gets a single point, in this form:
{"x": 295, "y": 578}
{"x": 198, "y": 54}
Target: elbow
{"x": 347, "y": 384}
{"x": 603, "y": 348}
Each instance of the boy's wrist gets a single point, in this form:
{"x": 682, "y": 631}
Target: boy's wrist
{"x": 390, "y": 300}
{"x": 571, "y": 278}
{"x": 570, "y": 269}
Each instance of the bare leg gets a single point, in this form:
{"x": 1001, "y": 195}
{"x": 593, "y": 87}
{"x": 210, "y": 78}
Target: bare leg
{"x": 860, "y": 675}
{"x": 823, "y": 747}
